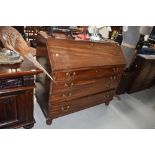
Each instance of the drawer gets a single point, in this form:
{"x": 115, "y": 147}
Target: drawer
{"x": 64, "y": 85}
{"x": 16, "y": 82}
{"x": 70, "y": 91}
{"x": 63, "y": 108}
{"x": 10, "y": 83}
{"x": 87, "y": 74}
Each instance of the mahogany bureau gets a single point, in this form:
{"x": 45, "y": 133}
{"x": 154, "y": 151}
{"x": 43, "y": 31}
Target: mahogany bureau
{"x": 84, "y": 74}
{"x": 16, "y": 95}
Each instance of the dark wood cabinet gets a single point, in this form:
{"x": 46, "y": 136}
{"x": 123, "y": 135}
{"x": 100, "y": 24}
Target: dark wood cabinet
{"x": 85, "y": 74}
{"x": 140, "y": 76}
{"x": 144, "y": 73}
{"x": 16, "y": 95}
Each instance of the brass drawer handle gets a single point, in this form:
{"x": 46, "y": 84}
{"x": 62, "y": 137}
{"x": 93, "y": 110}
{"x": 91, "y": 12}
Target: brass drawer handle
{"x": 64, "y": 96}
{"x": 69, "y": 85}
{"x": 116, "y": 69}
{"x": 108, "y": 86}
{"x": 67, "y": 74}
{"x": 65, "y": 109}
{"x": 67, "y": 95}
{"x": 113, "y": 77}
{"x": 66, "y": 85}
{"x": 74, "y": 73}
{"x": 106, "y": 96}
{"x": 70, "y": 76}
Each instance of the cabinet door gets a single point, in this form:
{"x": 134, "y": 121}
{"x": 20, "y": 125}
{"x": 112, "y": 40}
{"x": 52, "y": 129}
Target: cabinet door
{"x": 16, "y": 110}
{"x": 8, "y": 110}
{"x": 25, "y": 106}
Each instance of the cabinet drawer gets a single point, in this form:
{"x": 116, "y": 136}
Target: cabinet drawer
{"x": 87, "y": 74}
{"x": 63, "y": 108}
{"x": 107, "y": 82}
{"x": 63, "y": 92}
{"x": 8, "y": 83}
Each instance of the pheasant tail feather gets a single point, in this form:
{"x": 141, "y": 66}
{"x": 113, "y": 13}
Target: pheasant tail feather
{"x": 37, "y": 64}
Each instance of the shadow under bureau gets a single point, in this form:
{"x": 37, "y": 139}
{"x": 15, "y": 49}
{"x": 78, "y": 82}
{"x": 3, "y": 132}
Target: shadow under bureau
{"x": 84, "y": 74}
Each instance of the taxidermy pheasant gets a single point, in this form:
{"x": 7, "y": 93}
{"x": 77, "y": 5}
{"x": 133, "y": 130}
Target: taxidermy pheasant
{"x": 13, "y": 40}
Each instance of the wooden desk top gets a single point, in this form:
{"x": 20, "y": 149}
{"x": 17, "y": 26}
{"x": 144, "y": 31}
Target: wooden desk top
{"x": 25, "y": 68}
